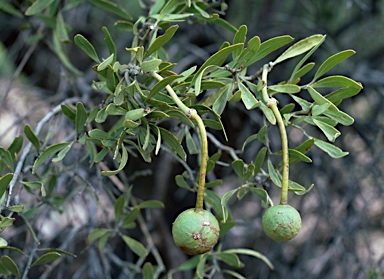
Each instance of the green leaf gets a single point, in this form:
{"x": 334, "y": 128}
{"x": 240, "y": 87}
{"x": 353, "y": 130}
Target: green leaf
{"x": 173, "y": 142}
{"x": 161, "y": 85}
{"x": 217, "y": 59}
{"x": 151, "y": 65}
{"x": 4, "y": 182}
{"x": 48, "y": 152}
{"x": 240, "y": 37}
{"x": 304, "y": 104}
{"x": 107, "y": 62}
{"x": 319, "y": 109}
{"x": 47, "y": 258}
{"x": 112, "y": 8}
{"x": 218, "y": 20}
{"x": 303, "y": 70}
{"x": 337, "y": 81}
{"x": 123, "y": 162}
{"x": 10, "y": 265}
{"x": 174, "y": 113}
{"x": 58, "y": 49}
{"x": 119, "y": 206}
{"x": 253, "y": 253}
{"x": 135, "y": 246}
{"x": 96, "y": 234}
{"x": 61, "y": 29}
{"x": 300, "y": 47}
{"x": 130, "y": 218}
{"x": 200, "y": 268}
{"x": 151, "y": 204}
{"x": 180, "y": 181}
{"x": 191, "y": 146}
{"x": 68, "y": 112}
{"x": 230, "y": 259}
{"x": 87, "y": 47}
{"x": 234, "y": 274}
{"x": 260, "y": 193}
{"x": 259, "y": 160}
{"x": 238, "y": 167}
{"x": 7, "y": 158}
{"x": 135, "y": 114}
{"x": 273, "y": 174}
{"x": 32, "y": 137}
{"x": 249, "y": 52}
{"x": 110, "y": 44}
{"x": 147, "y": 270}
{"x": 80, "y": 118}
{"x": 37, "y": 7}
{"x": 15, "y": 147}
{"x": 268, "y": 113}
{"x": 60, "y": 156}
{"x": 227, "y": 196}
{"x": 320, "y": 99}
{"x": 248, "y": 98}
{"x": 3, "y": 243}
{"x": 189, "y": 264}
{"x": 269, "y": 46}
{"x": 35, "y": 185}
{"x": 285, "y": 88}
{"x": 221, "y": 101}
{"x": 160, "y": 41}
{"x": 330, "y": 149}
{"x": 330, "y": 132}
{"x": 343, "y": 93}
{"x": 10, "y": 9}
{"x": 16, "y": 208}
{"x": 340, "y": 117}
{"x": 332, "y": 62}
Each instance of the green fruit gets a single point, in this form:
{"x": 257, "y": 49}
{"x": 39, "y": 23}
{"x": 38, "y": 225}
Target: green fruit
{"x": 281, "y": 222}
{"x": 195, "y": 231}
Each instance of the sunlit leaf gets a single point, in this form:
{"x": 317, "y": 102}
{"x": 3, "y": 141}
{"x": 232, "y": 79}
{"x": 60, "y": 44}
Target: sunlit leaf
{"x": 330, "y": 149}
{"x": 330, "y": 132}
{"x": 160, "y": 41}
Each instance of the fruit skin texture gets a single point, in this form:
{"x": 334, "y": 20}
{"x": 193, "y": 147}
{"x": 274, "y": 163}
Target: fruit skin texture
{"x": 195, "y": 231}
{"x": 281, "y": 222}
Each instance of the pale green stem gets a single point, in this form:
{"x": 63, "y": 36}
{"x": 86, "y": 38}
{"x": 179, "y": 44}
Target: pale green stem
{"x": 192, "y": 114}
{"x": 272, "y": 104}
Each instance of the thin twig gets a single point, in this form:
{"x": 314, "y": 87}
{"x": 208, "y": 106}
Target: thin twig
{"x": 28, "y": 147}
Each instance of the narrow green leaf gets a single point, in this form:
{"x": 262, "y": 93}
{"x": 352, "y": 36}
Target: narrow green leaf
{"x": 217, "y": 58}
{"x": 107, "y": 62}
{"x": 10, "y": 9}
{"x": 112, "y": 8}
{"x": 269, "y": 46}
{"x": 330, "y": 132}
{"x": 161, "y": 85}
{"x": 4, "y": 182}
{"x": 285, "y": 88}
{"x": 218, "y": 20}
{"x": 248, "y": 98}
{"x": 68, "y": 112}
{"x": 191, "y": 146}
{"x": 234, "y": 274}
{"x": 87, "y": 47}
{"x": 227, "y": 196}
{"x": 343, "y": 93}
{"x": 61, "y": 29}
{"x": 148, "y": 272}
{"x": 135, "y": 114}
{"x": 320, "y": 99}
{"x": 303, "y": 70}
{"x": 96, "y": 234}
{"x": 119, "y": 206}
{"x": 221, "y": 101}
{"x": 230, "y": 259}
{"x": 260, "y": 193}
{"x": 337, "y": 81}
{"x": 151, "y": 204}
{"x": 7, "y": 158}
{"x": 60, "y": 53}
{"x": 123, "y": 162}
{"x": 332, "y": 62}
{"x": 249, "y": 52}
{"x": 80, "y": 118}
{"x": 110, "y": 44}
{"x": 10, "y": 265}
{"x": 319, "y": 109}
{"x": 37, "y": 7}
{"x": 47, "y": 258}
{"x": 189, "y": 264}
{"x": 300, "y": 47}
{"x": 268, "y": 113}
{"x": 15, "y": 147}
{"x": 135, "y": 246}
{"x": 180, "y": 181}
{"x": 3, "y": 243}
{"x": 238, "y": 167}
{"x": 173, "y": 142}
{"x": 259, "y": 160}
{"x": 273, "y": 174}
{"x": 151, "y": 65}
{"x": 16, "y": 208}
{"x": 340, "y": 117}
{"x": 160, "y": 41}
{"x": 60, "y": 156}
{"x": 174, "y": 113}
{"x": 330, "y": 149}
{"x": 253, "y": 253}
{"x": 48, "y": 152}
{"x": 200, "y": 268}
{"x": 240, "y": 37}
{"x": 304, "y": 104}
{"x": 32, "y": 137}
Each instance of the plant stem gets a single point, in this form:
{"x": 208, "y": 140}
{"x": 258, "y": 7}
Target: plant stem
{"x": 192, "y": 114}
{"x": 272, "y": 104}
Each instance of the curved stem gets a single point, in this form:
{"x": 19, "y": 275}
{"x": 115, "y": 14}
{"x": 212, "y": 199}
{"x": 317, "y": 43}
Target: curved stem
{"x": 272, "y": 104}
{"x": 192, "y": 114}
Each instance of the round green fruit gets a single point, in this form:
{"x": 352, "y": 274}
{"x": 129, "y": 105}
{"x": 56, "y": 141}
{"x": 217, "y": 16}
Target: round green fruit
{"x": 195, "y": 231}
{"x": 281, "y": 222}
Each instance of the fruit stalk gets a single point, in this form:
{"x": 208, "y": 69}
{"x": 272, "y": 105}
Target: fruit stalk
{"x": 192, "y": 114}
{"x": 272, "y": 104}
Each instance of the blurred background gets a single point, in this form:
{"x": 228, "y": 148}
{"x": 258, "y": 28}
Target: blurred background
{"x": 343, "y": 215}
